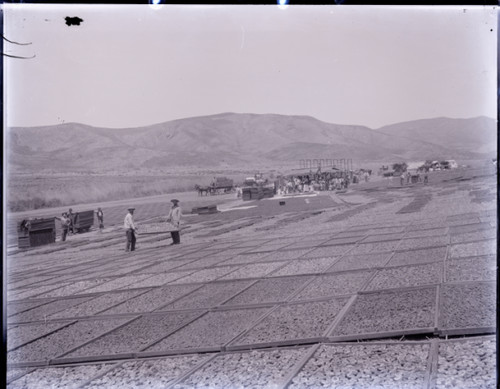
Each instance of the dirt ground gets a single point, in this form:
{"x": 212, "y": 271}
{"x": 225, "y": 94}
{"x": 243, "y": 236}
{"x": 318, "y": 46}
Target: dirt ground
{"x": 378, "y": 273}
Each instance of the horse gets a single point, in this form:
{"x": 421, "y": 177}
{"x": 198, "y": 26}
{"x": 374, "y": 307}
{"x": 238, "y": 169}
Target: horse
{"x": 203, "y": 189}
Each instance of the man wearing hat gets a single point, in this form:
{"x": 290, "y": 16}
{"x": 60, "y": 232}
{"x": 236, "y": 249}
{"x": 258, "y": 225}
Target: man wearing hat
{"x": 130, "y": 228}
{"x": 174, "y": 218}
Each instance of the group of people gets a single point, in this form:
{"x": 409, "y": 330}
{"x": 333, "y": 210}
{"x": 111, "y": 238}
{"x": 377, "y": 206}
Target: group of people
{"x": 408, "y": 178}
{"x": 68, "y": 220}
{"x": 173, "y": 218}
{"x": 314, "y": 182}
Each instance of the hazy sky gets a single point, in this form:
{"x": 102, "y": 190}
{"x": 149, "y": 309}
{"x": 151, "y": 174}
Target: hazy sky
{"x": 128, "y": 66}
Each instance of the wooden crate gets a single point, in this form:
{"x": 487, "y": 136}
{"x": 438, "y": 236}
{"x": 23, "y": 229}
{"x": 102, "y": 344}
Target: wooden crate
{"x": 83, "y": 220}
{"x": 36, "y": 232}
{"x": 38, "y": 224}
{"x": 246, "y": 194}
{"x": 23, "y": 242}
{"x": 268, "y": 192}
{"x": 42, "y": 237}
{"x": 205, "y": 210}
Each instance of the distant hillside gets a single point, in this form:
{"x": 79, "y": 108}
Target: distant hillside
{"x": 470, "y": 135}
{"x": 231, "y": 139}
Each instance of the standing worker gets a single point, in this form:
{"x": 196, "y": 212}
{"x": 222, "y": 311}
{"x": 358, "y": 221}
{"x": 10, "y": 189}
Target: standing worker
{"x": 174, "y": 218}
{"x": 71, "y": 217}
{"x": 100, "y": 219}
{"x": 64, "y": 225}
{"x": 130, "y": 229}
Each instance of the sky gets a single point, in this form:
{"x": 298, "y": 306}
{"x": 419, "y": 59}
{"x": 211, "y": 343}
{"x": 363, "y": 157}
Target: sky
{"x": 136, "y": 65}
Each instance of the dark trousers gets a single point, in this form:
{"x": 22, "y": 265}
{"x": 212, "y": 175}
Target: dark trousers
{"x": 130, "y": 240}
{"x": 64, "y": 234}
{"x": 176, "y": 237}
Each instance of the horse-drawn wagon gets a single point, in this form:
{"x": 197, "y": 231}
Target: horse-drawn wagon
{"x": 219, "y": 185}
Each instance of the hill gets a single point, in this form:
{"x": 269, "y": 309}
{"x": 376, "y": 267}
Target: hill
{"x": 471, "y": 135}
{"x": 231, "y": 139}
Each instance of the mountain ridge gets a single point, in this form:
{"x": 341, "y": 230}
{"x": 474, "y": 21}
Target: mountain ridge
{"x": 242, "y": 139}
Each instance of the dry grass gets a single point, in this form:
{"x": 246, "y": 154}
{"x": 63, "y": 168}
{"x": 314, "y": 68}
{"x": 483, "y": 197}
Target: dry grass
{"x": 27, "y": 192}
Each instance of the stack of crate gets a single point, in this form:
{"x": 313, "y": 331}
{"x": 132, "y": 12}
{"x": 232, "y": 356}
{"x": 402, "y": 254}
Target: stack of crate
{"x": 36, "y": 232}
{"x": 83, "y": 220}
{"x": 209, "y": 209}
{"x": 23, "y": 235}
{"x": 223, "y": 182}
{"x": 268, "y": 192}
{"x": 246, "y": 194}
{"x": 257, "y": 193}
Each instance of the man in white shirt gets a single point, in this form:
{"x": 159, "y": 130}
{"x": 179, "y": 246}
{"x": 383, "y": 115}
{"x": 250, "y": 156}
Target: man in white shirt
{"x": 64, "y": 225}
{"x": 130, "y": 228}
{"x": 174, "y": 218}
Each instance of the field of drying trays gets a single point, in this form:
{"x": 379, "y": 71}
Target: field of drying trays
{"x": 379, "y": 287}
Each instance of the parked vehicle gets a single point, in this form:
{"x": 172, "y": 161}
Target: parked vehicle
{"x": 223, "y": 184}
{"x": 219, "y": 185}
